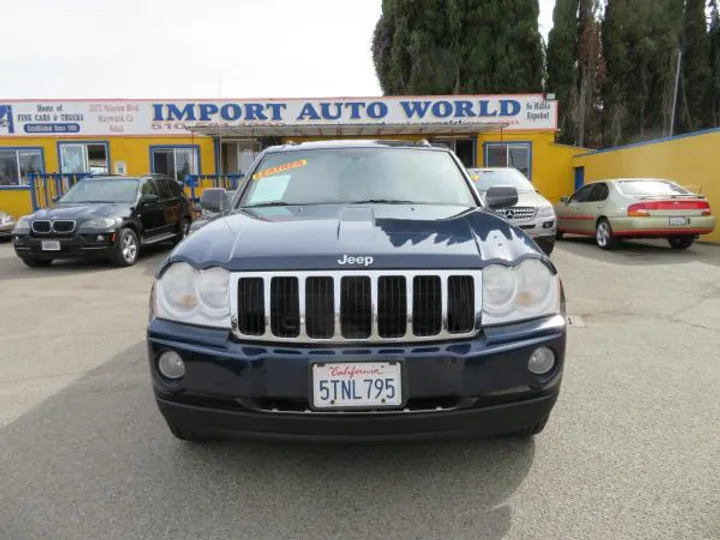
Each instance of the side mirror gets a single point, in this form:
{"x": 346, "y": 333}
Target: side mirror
{"x": 212, "y": 199}
{"x": 56, "y": 198}
{"x": 501, "y": 197}
{"x": 564, "y": 200}
{"x": 148, "y": 198}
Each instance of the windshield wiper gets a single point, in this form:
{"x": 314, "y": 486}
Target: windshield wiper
{"x": 383, "y": 201}
{"x": 273, "y": 203}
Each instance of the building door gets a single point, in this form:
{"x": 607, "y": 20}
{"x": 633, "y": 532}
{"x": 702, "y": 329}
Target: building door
{"x": 176, "y": 162}
{"x": 464, "y": 148}
{"x": 76, "y": 158}
{"x": 237, "y": 156}
{"x": 579, "y": 177}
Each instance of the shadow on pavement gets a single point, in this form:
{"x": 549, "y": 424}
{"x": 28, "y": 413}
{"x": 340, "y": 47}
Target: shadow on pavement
{"x": 636, "y": 252}
{"x": 97, "y": 461}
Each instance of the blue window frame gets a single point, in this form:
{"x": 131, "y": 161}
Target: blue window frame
{"x": 509, "y": 154}
{"x": 84, "y": 157}
{"x": 16, "y": 162}
{"x": 175, "y": 161}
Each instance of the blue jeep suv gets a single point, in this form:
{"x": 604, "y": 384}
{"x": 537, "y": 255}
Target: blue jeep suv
{"x": 357, "y": 290}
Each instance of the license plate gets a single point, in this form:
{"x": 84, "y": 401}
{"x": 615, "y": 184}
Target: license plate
{"x": 678, "y": 221}
{"x": 50, "y": 245}
{"x": 357, "y": 384}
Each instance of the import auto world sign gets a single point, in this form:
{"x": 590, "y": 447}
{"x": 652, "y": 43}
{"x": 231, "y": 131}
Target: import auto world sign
{"x": 148, "y": 117}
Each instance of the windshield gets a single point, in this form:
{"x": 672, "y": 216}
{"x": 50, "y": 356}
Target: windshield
{"x": 651, "y": 187}
{"x": 111, "y": 190}
{"x": 485, "y": 179}
{"x": 357, "y": 175}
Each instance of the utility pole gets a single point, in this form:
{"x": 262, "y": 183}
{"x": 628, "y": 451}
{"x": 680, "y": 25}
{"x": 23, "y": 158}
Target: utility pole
{"x": 675, "y": 94}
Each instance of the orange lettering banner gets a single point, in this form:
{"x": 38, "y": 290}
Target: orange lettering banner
{"x": 280, "y": 168}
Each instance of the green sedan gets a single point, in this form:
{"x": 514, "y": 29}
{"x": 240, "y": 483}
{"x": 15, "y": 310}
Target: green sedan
{"x": 622, "y": 208}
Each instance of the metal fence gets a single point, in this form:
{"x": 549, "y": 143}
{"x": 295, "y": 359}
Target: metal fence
{"x": 45, "y": 187}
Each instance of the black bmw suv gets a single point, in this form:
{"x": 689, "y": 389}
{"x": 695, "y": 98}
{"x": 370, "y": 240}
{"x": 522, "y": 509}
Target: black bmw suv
{"x": 105, "y": 217}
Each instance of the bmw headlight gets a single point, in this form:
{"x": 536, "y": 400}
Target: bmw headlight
{"x": 192, "y": 296}
{"x": 526, "y": 291}
{"x": 546, "y": 211}
{"x": 103, "y": 223}
{"x": 22, "y": 225}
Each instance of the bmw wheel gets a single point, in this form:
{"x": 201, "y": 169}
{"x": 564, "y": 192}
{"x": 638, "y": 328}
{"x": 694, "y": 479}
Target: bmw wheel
{"x": 604, "y": 237}
{"x": 183, "y": 231}
{"x": 127, "y": 249}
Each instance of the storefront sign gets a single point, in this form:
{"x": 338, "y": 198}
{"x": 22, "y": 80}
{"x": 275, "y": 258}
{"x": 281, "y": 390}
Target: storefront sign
{"x": 155, "y": 117}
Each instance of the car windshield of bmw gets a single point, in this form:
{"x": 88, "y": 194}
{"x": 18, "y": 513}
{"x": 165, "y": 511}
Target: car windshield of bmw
{"x": 650, "y": 188}
{"x": 112, "y": 190}
{"x": 487, "y": 178}
{"x": 358, "y": 176}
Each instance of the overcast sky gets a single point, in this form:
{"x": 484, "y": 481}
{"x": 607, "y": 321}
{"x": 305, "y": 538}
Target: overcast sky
{"x": 191, "y": 49}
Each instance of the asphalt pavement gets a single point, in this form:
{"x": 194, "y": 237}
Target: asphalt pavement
{"x": 632, "y": 449}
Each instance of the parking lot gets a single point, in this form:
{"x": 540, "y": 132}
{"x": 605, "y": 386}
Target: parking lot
{"x": 631, "y": 450}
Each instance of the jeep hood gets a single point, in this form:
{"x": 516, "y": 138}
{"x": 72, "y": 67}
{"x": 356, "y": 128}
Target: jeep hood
{"x": 316, "y": 237}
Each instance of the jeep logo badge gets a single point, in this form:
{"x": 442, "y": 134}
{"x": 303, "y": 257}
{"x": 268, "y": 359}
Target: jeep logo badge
{"x": 361, "y": 261}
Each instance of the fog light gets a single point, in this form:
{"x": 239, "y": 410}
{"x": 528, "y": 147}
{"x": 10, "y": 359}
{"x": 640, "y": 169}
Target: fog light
{"x": 171, "y": 365}
{"x": 541, "y": 361}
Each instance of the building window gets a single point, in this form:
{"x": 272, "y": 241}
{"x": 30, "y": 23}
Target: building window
{"x": 175, "y": 162}
{"x": 517, "y": 155}
{"x": 77, "y": 158}
{"x": 463, "y": 148}
{"x": 17, "y": 163}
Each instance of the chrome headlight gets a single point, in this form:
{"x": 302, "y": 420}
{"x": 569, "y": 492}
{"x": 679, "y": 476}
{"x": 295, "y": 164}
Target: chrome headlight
{"x": 525, "y": 291}
{"x": 192, "y": 296}
{"x": 6, "y": 218}
{"x": 103, "y": 223}
{"x": 546, "y": 211}
{"x": 22, "y": 225}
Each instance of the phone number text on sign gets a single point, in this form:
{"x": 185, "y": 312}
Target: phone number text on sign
{"x": 357, "y": 385}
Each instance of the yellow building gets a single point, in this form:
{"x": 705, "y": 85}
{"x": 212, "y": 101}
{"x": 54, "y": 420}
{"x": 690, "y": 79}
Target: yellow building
{"x": 682, "y": 159}
{"x": 222, "y": 137}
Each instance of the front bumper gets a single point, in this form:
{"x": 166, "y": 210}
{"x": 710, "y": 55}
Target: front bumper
{"x": 540, "y": 227}
{"x": 659, "y": 226}
{"x": 475, "y": 387}
{"x": 76, "y": 246}
{"x": 6, "y": 229}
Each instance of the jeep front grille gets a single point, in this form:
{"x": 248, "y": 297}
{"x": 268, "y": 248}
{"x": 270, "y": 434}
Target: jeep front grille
{"x": 520, "y": 213}
{"x": 347, "y": 306}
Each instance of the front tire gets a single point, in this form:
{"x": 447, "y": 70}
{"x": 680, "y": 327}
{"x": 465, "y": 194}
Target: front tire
{"x": 183, "y": 229}
{"x": 127, "y": 248}
{"x": 681, "y": 242}
{"x": 547, "y": 246}
{"x": 604, "y": 237}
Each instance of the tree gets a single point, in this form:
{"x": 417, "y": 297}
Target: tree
{"x": 694, "y": 98}
{"x": 590, "y": 74}
{"x": 458, "y": 46}
{"x": 562, "y": 65}
{"x": 640, "y": 39}
{"x": 714, "y": 83}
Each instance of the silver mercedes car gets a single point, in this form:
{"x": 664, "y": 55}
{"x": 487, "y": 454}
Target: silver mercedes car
{"x": 533, "y": 212}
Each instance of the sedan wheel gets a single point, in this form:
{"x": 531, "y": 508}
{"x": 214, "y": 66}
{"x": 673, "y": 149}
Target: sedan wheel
{"x": 604, "y": 237}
